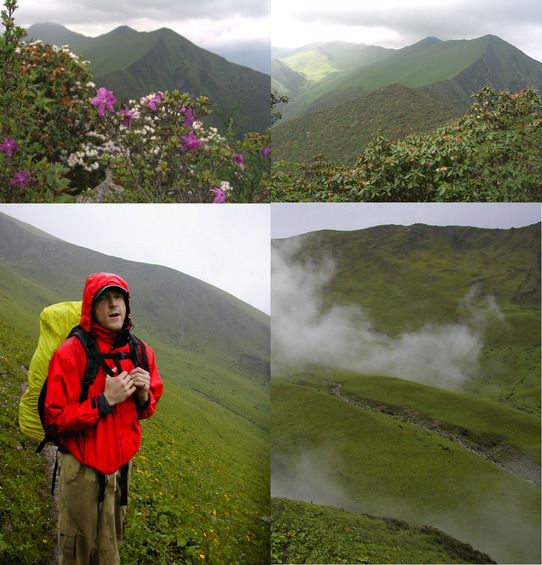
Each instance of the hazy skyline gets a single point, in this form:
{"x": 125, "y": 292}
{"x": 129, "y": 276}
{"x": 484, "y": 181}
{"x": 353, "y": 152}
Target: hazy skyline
{"x": 226, "y": 246}
{"x": 396, "y": 24}
{"x": 297, "y": 218}
{"x": 209, "y": 24}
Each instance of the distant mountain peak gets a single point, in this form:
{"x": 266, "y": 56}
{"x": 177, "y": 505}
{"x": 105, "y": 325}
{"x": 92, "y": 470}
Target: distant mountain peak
{"x": 122, "y": 30}
{"x": 52, "y": 32}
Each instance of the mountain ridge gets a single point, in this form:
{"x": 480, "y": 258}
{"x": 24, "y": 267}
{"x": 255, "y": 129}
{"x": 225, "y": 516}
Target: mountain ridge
{"x": 427, "y": 62}
{"x": 134, "y": 64}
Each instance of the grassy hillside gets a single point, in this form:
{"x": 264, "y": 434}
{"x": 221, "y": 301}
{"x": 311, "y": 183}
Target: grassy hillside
{"x": 351, "y": 97}
{"x": 406, "y": 443}
{"x": 285, "y": 80}
{"x": 320, "y": 65}
{"x": 180, "y": 311}
{"x": 461, "y": 65}
{"x": 200, "y": 487}
{"x": 312, "y": 533}
{"x": 342, "y": 131}
{"x": 439, "y": 268}
{"x": 333, "y": 452}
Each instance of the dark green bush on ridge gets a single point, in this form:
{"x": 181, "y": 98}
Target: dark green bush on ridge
{"x": 492, "y": 154}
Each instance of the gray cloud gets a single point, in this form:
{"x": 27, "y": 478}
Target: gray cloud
{"x": 207, "y": 23}
{"x": 127, "y": 10}
{"x": 400, "y": 24}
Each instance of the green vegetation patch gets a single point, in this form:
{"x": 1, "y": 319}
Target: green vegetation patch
{"x": 312, "y": 533}
{"x": 27, "y": 528}
{"x": 385, "y": 465}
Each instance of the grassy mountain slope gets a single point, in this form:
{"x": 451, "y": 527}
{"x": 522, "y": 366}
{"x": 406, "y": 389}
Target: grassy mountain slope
{"x": 333, "y": 452}
{"x": 439, "y": 268}
{"x": 466, "y": 460}
{"x": 133, "y": 64}
{"x": 320, "y": 65}
{"x": 312, "y": 533}
{"x": 285, "y": 80}
{"x": 57, "y": 34}
{"x": 470, "y": 64}
{"x": 205, "y": 339}
{"x": 180, "y": 311}
{"x": 342, "y": 131}
{"x": 200, "y": 484}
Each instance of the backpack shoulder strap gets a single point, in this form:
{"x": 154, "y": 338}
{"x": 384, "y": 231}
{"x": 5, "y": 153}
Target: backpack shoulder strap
{"x": 137, "y": 345}
{"x": 95, "y": 359}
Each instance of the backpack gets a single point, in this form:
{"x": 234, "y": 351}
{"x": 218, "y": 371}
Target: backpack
{"x": 58, "y": 322}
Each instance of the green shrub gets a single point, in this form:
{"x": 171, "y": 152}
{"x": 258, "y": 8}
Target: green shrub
{"x": 493, "y": 153}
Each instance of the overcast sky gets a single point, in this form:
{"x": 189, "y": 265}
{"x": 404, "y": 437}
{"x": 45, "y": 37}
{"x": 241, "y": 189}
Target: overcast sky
{"x": 224, "y": 245}
{"x": 207, "y": 23}
{"x": 396, "y": 23}
{"x": 293, "y": 219}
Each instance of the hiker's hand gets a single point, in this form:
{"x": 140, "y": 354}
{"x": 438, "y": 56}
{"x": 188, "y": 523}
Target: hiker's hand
{"x": 118, "y": 388}
{"x": 142, "y": 381}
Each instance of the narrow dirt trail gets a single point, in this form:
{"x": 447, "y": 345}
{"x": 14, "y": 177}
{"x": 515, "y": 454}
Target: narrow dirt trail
{"x": 49, "y": 452}
{"x": 51, "y": 499}
{"x": 512, "y": 462}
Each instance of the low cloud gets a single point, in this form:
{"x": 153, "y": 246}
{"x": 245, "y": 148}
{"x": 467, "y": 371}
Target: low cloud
{"x": 304, "y": 332}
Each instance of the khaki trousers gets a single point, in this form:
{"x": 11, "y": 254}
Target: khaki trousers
{"x": 89, "y": 532}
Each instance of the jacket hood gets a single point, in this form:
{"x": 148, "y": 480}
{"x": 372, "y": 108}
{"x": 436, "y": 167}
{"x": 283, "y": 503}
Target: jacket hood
{"x": 93, "y": 285}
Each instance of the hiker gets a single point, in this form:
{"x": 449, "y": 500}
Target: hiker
{"x": 99, "y": 435}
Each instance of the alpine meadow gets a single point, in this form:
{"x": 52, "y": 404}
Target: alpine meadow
{"x": 200, "y": 482}
{"x": 405, "y": 395}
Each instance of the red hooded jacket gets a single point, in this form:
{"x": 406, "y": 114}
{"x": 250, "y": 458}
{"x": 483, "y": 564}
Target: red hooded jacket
{"x": 98, "y": 435}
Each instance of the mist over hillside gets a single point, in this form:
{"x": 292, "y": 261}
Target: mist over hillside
{"x": 430, "y": 304}
{"x": 305, "y": 332}
{"x": 406, "y": 384}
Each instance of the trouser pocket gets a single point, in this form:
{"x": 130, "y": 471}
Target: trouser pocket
{"x": 67, "y": 546}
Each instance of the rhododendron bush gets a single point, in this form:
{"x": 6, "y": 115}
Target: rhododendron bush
{"x": 61, "y": 136}
{"x": 158, "y": 149}
{"x": 491, "y": 154}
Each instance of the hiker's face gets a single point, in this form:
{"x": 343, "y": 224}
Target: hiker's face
{"x": 110, "y": 310}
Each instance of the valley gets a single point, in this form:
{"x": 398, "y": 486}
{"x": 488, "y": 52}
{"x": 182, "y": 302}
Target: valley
{"x": 400, "y": 394}
{"x": 342, "y": 95}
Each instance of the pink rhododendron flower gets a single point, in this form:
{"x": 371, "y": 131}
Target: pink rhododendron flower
{"x": 155, "y": 100}
{"x": 129, "y": 117}
{"x": 21, "y": 179}
{"x": 191, "y": 143}
{"x": 9, "y": 146}
{"x": 238, "y": 159}
{"x": 105, "y": 99}
{"x": 190, "y": 116}
{"x": 265, "y": 151}
{"x": 220, "y": 197}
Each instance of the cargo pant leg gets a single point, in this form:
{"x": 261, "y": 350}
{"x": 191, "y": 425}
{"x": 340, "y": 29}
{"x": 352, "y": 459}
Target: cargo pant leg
{"x": 111, "y": 517}
{"x": 78, "y": 494}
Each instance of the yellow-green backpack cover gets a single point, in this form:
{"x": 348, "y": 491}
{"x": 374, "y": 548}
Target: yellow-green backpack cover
{"x": 56, "y": 322}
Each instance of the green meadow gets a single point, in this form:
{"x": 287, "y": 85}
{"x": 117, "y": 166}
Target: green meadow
{"x": 385, "y": 464}
{"x": 311, "y": 533}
